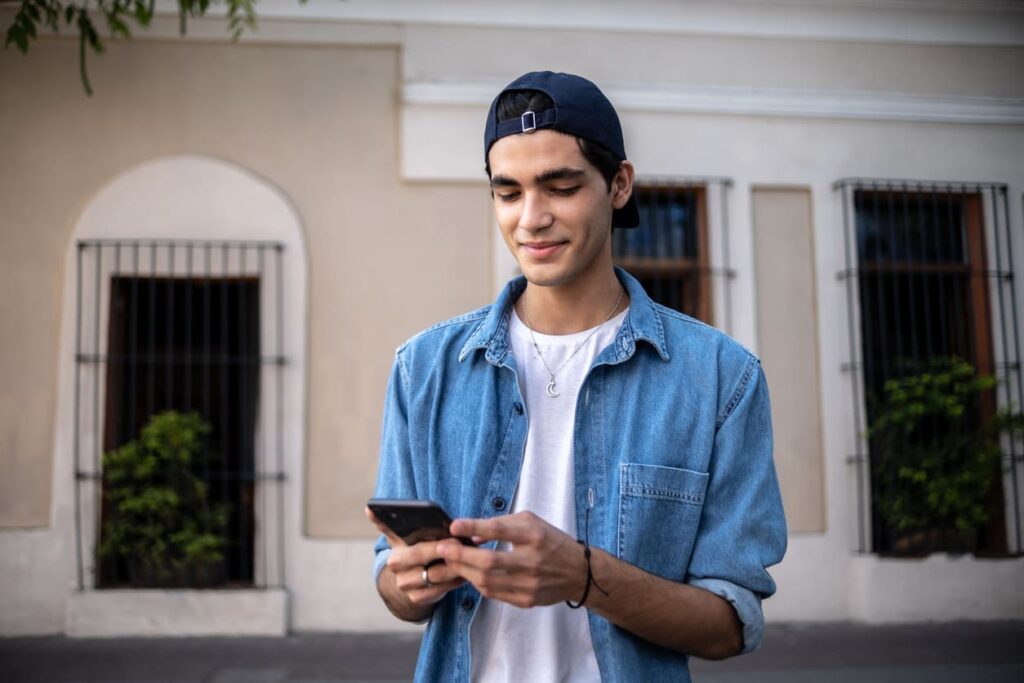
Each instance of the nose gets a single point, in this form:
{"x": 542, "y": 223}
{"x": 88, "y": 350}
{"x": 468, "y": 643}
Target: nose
{"x": 535, "y": 215}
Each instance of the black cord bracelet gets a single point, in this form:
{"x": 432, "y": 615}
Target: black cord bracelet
{"x": 590, "y": 573}
{"x": 586, "y": 553}
{"x": 590, "y": 579}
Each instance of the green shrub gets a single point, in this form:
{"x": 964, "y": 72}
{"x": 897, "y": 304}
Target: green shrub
{"x": 161, "y": 523}
{"x": 936, "y": 459}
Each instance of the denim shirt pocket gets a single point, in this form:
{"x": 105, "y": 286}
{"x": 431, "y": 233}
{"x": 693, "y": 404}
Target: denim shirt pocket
{"x": 659, "y": 513}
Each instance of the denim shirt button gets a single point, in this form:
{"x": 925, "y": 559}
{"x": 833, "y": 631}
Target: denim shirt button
{"x": 518, "y": 407}
{"x": 467, "y": 603}
{"x": 498, "y": 503}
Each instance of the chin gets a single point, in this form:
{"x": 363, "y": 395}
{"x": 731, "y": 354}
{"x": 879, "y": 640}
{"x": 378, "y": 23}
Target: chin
{"x": 545, "y": 275}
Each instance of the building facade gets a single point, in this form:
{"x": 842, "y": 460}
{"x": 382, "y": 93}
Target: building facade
{"x": 248, "y": 230}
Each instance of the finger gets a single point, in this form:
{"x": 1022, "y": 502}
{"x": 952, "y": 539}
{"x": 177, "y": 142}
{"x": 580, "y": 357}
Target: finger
{"x": 492, "y": 582}
{"x": 441, "y": 573}
{"x": 409, "y": 580}
{"x": 416, "y": 556}
{"x": 521, "y": 528}
{"x": 433, "y": 573}
{"x": 393, "y": 539}
{"x": 441, "y": 581}
{"x": 477, "y": 564}
{"x": 431, "y": 594}
{"x": 509, "y": 528}
{"x": 516, "y": 596}
{"x": 412, "y": 556}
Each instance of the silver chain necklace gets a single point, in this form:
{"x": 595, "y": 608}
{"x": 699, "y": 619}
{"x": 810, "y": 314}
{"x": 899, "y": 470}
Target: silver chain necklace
{"x": 552, "y": 385}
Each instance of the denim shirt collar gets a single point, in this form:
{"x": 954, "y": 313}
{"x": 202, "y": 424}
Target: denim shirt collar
{"x": 642, "y": 323}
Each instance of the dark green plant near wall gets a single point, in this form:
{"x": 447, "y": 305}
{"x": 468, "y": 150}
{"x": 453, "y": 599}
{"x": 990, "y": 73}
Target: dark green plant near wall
{"x": 936, "y": 459}
{"x": 161, "y": 524}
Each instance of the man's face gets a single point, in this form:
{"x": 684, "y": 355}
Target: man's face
{"x": 553, "y": 207}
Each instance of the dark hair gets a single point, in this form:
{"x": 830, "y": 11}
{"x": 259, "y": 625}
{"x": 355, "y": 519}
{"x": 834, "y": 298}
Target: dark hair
{"x": 514, "y": 103}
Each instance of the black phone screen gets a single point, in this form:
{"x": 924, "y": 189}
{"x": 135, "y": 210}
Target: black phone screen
{"x": 414, "y": 521}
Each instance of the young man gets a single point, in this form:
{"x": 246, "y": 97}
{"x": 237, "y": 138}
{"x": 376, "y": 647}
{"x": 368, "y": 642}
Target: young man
{"x": 602, "y": 449}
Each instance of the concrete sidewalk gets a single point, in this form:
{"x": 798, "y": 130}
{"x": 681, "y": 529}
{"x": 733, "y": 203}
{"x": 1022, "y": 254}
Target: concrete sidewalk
{"x": 796, "y": 653}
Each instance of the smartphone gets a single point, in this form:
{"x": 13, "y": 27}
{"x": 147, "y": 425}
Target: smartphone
{"x": 414, "y": 521}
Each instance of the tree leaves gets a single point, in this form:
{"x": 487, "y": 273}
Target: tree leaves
{"x": 78, "y": 15}
{"x": 241, "y": 15}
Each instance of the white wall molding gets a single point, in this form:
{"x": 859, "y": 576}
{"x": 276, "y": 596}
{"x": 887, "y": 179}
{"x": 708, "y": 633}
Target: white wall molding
{"x": 887, "y": 590}
{"x": 978, "y": 22}
{"x": 226, "y": 202}
{"x": 828, "y": 104}
{"x": 133, "y": 613}
{"x": 946, "y": 22}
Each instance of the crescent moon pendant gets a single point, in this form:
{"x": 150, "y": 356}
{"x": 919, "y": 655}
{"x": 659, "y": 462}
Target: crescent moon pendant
{"x": 551, "y": 389}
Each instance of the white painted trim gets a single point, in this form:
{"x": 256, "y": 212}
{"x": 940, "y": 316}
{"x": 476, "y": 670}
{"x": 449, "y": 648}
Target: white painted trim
{"x": 889, "y": 590}
{"x": 226, "y": 202}
{"x": 978, "y": 22}
{"x": 382, "y": 22}
{"x": 272, "y": 30}
{"x": 749, "y": 101}
{"x": 98, "y": 614}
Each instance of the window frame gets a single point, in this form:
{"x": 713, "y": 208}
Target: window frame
{"x": 988, "y": 265}
{"x": 699, "y": 268}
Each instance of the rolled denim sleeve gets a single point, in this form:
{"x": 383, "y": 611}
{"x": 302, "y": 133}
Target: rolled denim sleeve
{"x": 747, "y": 605}
{"x": 743, "y": 528}
{"x": 395, "y": 474}
{"x": 383, "y": 552}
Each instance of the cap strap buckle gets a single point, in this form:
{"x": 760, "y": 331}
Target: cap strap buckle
{"x": 529, "y": 124}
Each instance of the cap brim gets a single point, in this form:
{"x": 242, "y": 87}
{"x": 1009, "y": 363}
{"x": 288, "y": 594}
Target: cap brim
{"x": 628, "y": 216}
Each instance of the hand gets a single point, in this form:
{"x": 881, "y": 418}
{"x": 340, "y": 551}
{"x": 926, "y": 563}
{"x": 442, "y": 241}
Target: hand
{"x": 545, "y": 565}
{"x": 407, "y": 562}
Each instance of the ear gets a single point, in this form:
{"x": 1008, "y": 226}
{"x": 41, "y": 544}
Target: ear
{"x": 622, "y": 184}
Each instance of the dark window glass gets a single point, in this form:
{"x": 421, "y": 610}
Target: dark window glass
{"x": 924, "y": 308}
{"x": 667, "y": 253}
{"x": 189, "y": 344}
{"x": 911, "y": 227}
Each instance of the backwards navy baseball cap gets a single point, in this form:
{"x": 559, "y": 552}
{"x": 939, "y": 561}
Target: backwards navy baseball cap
{"x": 580, "y": 109}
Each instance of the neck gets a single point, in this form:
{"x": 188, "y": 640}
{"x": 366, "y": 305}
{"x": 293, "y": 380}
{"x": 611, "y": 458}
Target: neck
{"x": 571, "y": 308}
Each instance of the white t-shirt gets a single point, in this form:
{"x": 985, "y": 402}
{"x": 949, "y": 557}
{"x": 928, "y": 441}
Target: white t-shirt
{"x": 550, "y": 643}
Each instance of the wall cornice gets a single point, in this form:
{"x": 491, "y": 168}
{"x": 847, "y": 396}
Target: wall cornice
{"x": 954, "y": 22}
{"x": 755, "y": 102}
{"x": 990, "y": 23}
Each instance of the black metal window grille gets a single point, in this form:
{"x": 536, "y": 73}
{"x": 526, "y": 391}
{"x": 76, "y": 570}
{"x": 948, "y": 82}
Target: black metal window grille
{"x": 929, "y": 283}
{"x": 672, "y": 253}
{"x": 193, "y": 327}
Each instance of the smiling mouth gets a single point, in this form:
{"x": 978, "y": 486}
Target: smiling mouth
{"x": 542, "y": 250}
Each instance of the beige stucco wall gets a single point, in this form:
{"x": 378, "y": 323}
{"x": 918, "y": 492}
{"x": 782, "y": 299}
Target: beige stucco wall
{"x": 446, "y": 52}
{"x": 787, "y": 322}
{"x": 29, "y": 309}
{"x": 320, "y": 123}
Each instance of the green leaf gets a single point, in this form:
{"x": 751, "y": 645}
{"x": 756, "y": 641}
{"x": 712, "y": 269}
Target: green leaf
{"x": 16, "y": 35}
{"x": 117, "y": 26}
{"x": 143, "y": 12}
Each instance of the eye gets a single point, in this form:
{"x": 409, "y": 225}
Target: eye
{"x": 507, "y": 196}
{"x": 565, "y": 191}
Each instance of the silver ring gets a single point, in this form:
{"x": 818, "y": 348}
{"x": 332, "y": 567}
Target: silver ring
{"x": 426, "y": 577}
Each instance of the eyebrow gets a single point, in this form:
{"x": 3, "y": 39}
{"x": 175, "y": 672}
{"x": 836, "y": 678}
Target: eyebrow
{"x": 563, "y": 173}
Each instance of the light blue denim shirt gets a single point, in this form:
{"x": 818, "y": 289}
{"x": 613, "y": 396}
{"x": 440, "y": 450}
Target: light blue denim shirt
{"x": 673, "y": 437}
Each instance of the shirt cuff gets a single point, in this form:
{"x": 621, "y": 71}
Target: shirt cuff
{"x": 747, "y": 605}
{"x": 380, "y": 560}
